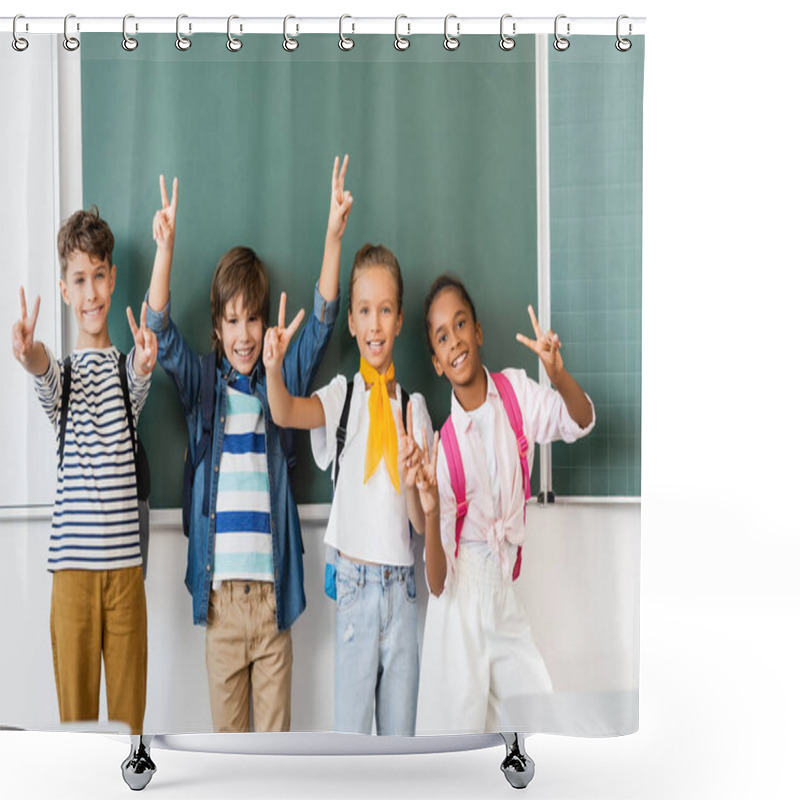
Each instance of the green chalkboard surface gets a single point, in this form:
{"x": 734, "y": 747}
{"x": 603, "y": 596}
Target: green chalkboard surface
{"x": 596, "y": 255}
{"x": 442, "y": 168}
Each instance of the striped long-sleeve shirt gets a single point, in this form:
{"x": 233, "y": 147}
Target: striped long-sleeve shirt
{"x": 243, "y": 535}
{"x": 95, "y": 517}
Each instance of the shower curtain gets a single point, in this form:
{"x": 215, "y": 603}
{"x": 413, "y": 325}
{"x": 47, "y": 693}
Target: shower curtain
{"x": 519, "y": 171}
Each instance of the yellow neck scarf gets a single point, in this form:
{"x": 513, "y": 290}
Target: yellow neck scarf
{"x": 382, "y": 437}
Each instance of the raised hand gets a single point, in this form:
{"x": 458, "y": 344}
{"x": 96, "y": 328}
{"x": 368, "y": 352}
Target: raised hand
{"x": 22, "y": 340}
{"x": 277, "y": 338}
{"x": 407, "y": 448}
{"x": 341, "y": 201}
{"x": 426, "y": 477}
{"x": 546, "y": 346}
{"x": 144, "y": 358}
{"x": 164, "y": 219}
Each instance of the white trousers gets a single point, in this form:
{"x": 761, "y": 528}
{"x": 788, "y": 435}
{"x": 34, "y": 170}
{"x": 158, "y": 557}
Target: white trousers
{"x": 481, "y": 669}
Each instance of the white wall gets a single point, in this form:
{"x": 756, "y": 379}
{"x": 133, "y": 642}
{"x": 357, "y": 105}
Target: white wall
{"x": 580, "y": 581}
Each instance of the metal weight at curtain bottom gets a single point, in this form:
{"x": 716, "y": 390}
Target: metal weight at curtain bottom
{"x": 517, "y": 766}
{"x": 138, "y": 768}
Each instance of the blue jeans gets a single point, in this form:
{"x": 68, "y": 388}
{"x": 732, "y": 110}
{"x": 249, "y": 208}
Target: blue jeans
{"x": 377, "y": 658}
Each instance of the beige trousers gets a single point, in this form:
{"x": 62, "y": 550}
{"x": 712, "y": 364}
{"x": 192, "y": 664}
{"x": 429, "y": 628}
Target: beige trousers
{"x": 247, "y": 655}
{"x": 94, "y": 613}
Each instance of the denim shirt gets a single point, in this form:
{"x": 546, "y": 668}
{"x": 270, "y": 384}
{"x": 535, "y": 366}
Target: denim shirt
{"x": 299, "y": 367}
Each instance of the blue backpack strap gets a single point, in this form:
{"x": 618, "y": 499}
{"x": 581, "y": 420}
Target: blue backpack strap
{"x": 203, "y": 447}
{"x": 66, "y": 380}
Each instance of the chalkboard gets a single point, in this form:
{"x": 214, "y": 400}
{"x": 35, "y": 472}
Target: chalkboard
{"x": 443, "y": 171}
{"x": 596, "y": 255}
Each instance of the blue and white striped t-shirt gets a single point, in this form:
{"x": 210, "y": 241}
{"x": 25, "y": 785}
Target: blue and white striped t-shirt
{"x": 243, "y": 539}
{"x": 95, "y": 518}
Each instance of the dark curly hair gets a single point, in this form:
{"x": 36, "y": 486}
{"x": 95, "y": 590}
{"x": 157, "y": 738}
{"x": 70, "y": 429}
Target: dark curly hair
{"x": 440, "y": 284}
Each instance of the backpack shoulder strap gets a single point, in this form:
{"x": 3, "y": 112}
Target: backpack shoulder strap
{"x": 122, "y": 364}
{"x": 455, "y": 467}
{"x": 341, "y": 432}
{"x": 511, "y": 405}
{"x": 203, "y": 450}
{"x": 208, "y": 379}
{"x": 404, "y": 401}
{"x": 66, "y": 380}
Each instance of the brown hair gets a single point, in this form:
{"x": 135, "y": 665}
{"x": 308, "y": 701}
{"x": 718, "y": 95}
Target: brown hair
{"x": 85, "y": 232}
{"x": 439, "y": 285}
{"x": 239, "y": 272}
{"x": 377, "y": 255}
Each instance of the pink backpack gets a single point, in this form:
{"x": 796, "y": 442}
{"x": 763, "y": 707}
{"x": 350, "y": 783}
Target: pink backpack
{"x": 456, "y": 466}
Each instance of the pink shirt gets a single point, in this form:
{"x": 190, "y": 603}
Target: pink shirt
{"x": 544, "y": 419}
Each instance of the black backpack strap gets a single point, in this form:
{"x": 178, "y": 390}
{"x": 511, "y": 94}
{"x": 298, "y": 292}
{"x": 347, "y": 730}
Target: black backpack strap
{"x": 208, "y": 381}
{"x": 404, "y": 398}
{"x": 66, "y": 380}
{"x": 203, "y": 447}
{"x": 122, "y": 363}
{"x": 341, "y": 432}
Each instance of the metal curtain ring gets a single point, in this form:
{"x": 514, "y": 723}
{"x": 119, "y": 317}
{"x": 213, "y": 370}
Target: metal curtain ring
{"x": 345, "y": 43}
{"x": 128, "y": 42}
{"x": 19, "y": 43}
{"x": 451, "y": 42}
{"x": 290, "y": 44}
{"x": 623, "y": 45}
{"x": 233, "y": 44}
{"x": 507, "y": 42}
{"x": 181, "y": 42}
{"x": 560, "y": 43}
{"x": 70, "y": 42}
{"x": 400, "y": 42}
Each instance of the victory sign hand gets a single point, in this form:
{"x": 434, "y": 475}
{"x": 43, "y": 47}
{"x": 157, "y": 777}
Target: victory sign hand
{"x": 22, "y": 340}
{"x": 546, "y": 346}
{"x": 341, "y": 201}
{"x": 426, "y": 477}
{"x": 407, "y": 448}
{"x": 144, "y": 358}
{"x": 164, "y": 219}
{"x": 277, "y": 338}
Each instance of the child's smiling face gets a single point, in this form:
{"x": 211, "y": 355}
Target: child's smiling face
{"x": 456, "y": 337}
{"x": 87, "y": 286}
{"x": 241, "y": 332}
{"x": 374, "y": 317}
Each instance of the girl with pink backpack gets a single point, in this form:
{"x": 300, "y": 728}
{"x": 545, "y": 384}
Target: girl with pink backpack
{"x": 478, "y": 656}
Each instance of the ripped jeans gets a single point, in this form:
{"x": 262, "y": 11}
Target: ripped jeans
{"x": 377, "y": 656}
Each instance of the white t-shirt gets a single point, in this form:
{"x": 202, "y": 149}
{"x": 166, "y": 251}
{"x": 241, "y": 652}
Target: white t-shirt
{"x": 367, "y": 521}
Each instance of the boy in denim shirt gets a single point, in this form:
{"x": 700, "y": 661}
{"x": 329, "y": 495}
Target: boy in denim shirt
{"x": 245, "y": 569}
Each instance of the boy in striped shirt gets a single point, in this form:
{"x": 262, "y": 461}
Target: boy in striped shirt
{"x": 98, "y": 600}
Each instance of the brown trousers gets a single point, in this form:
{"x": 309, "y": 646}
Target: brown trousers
{"x": 94, "y": 613}
{"x": 245, "y": 653}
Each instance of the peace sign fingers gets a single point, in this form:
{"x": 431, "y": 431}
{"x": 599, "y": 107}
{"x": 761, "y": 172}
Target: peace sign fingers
{"x": 133, "y": 326}
{"x": 23, "y": 304}
{"x": 30, "y": 324}
{"x": 166, "y": 203}
{"x": 341, "y": 177}
{"x": 282, "y": 311}
{"x": 295, "y": 323}
{"x": 164, "y": 196}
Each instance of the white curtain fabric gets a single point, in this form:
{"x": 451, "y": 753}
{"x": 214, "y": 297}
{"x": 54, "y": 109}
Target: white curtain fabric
{"x": 28, "y": 226}
{"x": 590, "y": 640}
